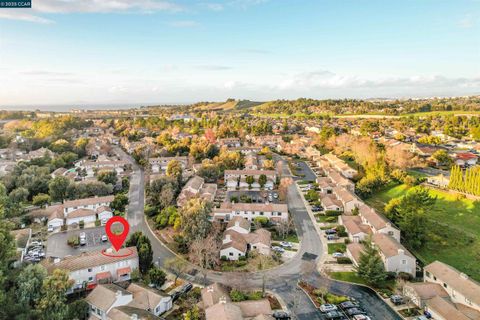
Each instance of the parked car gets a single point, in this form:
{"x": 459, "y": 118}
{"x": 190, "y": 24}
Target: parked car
{"x": 361, "y": 317}
{"x": 328, "y": 307}
{"x": 104, "y": 238}
{"x": 50, "y": 229}
{"x": 397, "y": 299}
{"x": 186, "y": 288}
{"x": 354, "y": 311}
{"x": 286, "y": 244}
{"x": 421, "y": 318}
{"x": 330, "y": 231}
{"x": 280, "y": 315}
{"x": 332, "y": 237}
{"x": 335, "y": 315}
{"x": 83, "y": 239}
{"x": 348, "y": 304}
{"x": 338, "y": 255}
{"x": 278, "y": 249}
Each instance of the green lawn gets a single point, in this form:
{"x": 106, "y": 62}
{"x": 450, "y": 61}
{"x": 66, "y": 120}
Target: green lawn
{"x": 336, "y": 247}
{"x": 454, "y": 234}
{"x": 348, "y": 276}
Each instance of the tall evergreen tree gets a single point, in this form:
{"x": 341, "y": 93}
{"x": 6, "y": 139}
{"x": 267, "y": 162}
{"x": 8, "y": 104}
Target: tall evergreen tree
{"x": 370, "y": 266}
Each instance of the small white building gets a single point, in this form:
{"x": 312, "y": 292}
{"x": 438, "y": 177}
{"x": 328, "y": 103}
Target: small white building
{"x": 85, "y": 215}
{"x": 394, "y": 256}
{"x": 87, "y": 203}
{"x": 273, "y": 211}
{"x": 160, "y": 164}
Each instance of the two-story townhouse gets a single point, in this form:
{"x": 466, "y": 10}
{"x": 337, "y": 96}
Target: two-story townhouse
{"x": 238, "y": 178}
{"x": 458, "y": 285}
{"x": 273, "y": 211}
{"x": 348, "y": 199}
{"x": 356, "y": 229}
{"x": 91, "y": 268}
{"x": 87, "y": 203}
{"x": 160, "y": 164}
{"x": 395, "y": 256}
{"x": 104, "y": 298}
{"x": 151, "y": 300}
{"x": 378, "y": 223}
{"x": 196, "y": 187}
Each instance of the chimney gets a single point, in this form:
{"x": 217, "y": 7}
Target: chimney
{"x": 237, "y": 223}
{"x": 401, "y": 252}
{"x": 227, "y": 239}
{"x": 210, "y": 289}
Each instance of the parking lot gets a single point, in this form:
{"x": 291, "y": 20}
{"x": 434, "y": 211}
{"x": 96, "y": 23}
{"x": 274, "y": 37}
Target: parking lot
{"x": 304, "y": 171}
{"x": 57, "y": 243}
{"x": 255, "y": 196}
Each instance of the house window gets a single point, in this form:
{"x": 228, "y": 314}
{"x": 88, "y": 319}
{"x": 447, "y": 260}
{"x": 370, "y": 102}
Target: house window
{"x": 230, "y": 253}
{"x": 404, "y": 261}
{"x": 90, "y": 279}
{"x": 434, "y": 278}
{"x": 102, "y": 268}
{"x": 261, "y": 213}
{"x": 89, "y": 269}
{"x": 468, "y": 301}
{"x": 445, "y": 285}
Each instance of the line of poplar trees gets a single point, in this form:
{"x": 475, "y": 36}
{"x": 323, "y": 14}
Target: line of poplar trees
{"x": 467, "y": 181}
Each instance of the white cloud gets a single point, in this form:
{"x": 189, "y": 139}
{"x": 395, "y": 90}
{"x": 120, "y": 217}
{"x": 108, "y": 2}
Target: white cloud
{"x": 11, "y": 14}
{"x": 87, "y": 6}
{"x": 214, "y": 6}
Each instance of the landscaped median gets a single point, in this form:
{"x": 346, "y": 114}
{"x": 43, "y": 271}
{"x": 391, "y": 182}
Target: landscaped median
{"x": 320, "y": 296}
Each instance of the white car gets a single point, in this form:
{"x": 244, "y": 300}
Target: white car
{"x": 361, "y": 317}
{"x": 286, "y": 244}
{"x": 104, "y": 238}
{"x": 328, "y": 307}
{"x": 338, "y": 255}
{"x": 278, "y": 249}
{"x": 50, "y": 229}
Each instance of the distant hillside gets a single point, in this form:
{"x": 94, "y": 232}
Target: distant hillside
{"x": 229, "y": 105}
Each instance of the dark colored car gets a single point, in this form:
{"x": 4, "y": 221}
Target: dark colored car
{"x": 281, "y": 315}
{"x": 334, "y": 315}
{"x": 186, "y": 288}
{"x": 354, "y": 311}
{"x": 330, "y": 231}
{"x": 348, "y": 305}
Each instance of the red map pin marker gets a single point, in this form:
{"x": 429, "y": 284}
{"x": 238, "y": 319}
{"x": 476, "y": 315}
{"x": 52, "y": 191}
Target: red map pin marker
{"x": 117, "y": 240}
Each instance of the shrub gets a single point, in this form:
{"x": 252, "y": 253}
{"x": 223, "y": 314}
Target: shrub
{"x": 255, "y": 295}
{"x": 346, "y": 241}
{"x": 333, "y": 213}
{"x": 237, "y": 295}
{"x": 334, "y": 299}
{"x": 242, "y": 258}
{"x": 404, "y": 276}
{"x": 97, "y": 223}
{"x": 81, "y": 224}
{"x": 63, "y": 228}
{"x": 73, "y": 241}
{"x": 331, "y": 219}
{"x": 344, "y": 260}
{"x": 223, "y": 258}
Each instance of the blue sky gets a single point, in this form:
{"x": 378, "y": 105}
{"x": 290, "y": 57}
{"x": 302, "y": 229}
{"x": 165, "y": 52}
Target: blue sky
{"x": 82, "y": 52}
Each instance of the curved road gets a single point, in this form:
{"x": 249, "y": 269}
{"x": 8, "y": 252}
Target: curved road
{"x": 283, "y": 279}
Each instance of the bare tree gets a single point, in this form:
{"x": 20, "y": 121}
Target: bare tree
{"x": 177, "y": 266}
{"x": 284, "y": 227}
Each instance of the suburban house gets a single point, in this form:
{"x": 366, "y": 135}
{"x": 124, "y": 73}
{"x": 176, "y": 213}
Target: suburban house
{"x": 330, "y": 203}
{"x": 91, "y": 167}
{"x": 465, "y": 159}
{"x": 340, "y": 165}
{"x": 237, "y": 179}
{"x": 229, "y": 142}
{"x": 238, "y": 240}
{"x": 378, "y": 223}
{"x": 356, "y": 229}
{"x": 394, "y": 255}
{"x": 56, "y": 217}
{"x": 325, "y": 185}
{"x": 196, "y": 187}
{"x": 89, "y": 269}
{"x": 160, "y": 164}
{"x": 218, "y": 305}
{"x": 439, "y": 180}
{"x": 460, "y": 288}
{"x": 420, "y": 292}
{"x": 339, "y": 180}
{"x": 348, "y": 199}
{"x": 81, "y": 214}
{"x": 251, "y": 161}
{"x": 86, "y": 203}
{"x": 148, "y": 299}
{"x": 110, "y": 301}
{"x": 273, "y": 211}
{"x": 106, "y": 297}
{"x": 441, "y": 309}
{"x": 424, "y": 151}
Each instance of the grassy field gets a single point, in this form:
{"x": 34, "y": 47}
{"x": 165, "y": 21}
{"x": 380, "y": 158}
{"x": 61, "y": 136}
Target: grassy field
{"x": 336, "y": 247}
{"x": 454, "y": 234}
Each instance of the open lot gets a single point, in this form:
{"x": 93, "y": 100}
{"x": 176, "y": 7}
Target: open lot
{"x": 454, "y": 233}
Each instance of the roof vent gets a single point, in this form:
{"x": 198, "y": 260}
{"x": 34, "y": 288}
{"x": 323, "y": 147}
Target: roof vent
{"x": 223, "y": 300}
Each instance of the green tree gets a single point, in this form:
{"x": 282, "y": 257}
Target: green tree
{"x": 107, "y": 176}
{"x": 19, "y": 195}
{"x": 195, "y": 217}
{"x": 78, "y": 310}
{"x": 262, "y": 179}
{"x": 41, "y": 199}
{"x": 29, "y": 284}
{"x": 52, "y": 303}
{"x": 174, "y": 169}
{"x": 442, "y": 157}
{"x": 250, "y": 180}
{"x": 157, "y": 276}
{"x": 57, "y": 188}
{"x": 144, "y": 248}
{"x": 370, "y": 265}
{"x": 119, "y": 202}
